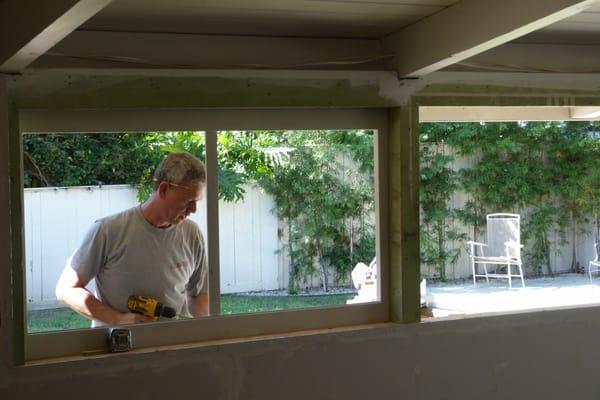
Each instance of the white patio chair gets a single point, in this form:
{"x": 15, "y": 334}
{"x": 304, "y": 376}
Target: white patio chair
{"x": 502, "y": 250}
{"x": 594, "y": 265}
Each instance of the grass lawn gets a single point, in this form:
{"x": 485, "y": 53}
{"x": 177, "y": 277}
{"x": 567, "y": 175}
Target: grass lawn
{"x": 235, "y": 304}
{"x": 55, "y": 319}
{"x": 64, "y": 318}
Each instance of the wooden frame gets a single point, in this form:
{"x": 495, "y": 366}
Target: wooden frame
{"x": 135, "y": 99}
{"x": 56, "y": 344}
{"x": 283, "y": 101}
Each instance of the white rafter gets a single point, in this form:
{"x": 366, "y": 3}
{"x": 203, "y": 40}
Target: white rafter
{"x": 28, "y": 28}
{"x": 533, "y": 57}
{"x": 471, "y": 27}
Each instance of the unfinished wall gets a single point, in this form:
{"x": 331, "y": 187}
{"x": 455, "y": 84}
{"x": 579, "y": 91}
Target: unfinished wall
{"x": 529, "y": 356}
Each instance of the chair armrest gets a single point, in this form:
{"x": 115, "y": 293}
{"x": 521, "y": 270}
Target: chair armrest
{"x": 515, "y": 245}
{"x": 477, "y": 243}
{"x": 472, "y": 252}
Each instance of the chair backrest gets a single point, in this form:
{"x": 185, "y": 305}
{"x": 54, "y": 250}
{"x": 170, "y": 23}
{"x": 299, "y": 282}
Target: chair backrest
{"x": 502, "y": 228}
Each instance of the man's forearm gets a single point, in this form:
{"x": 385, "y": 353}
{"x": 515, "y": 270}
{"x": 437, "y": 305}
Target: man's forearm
{"x": 198, "y": 305}
{"x": 84, "y": 303}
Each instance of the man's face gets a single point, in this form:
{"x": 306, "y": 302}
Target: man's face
{"x": 180, "y": 200}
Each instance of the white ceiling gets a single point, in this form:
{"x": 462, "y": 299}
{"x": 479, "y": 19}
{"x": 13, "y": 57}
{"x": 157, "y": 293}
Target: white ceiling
{"x": 411, "y": 37}
{"x": 299, "y": 18}
{"x": 307, "y": 18}
{"x": 583, "y": 28}
{"x": 353, "y": 19}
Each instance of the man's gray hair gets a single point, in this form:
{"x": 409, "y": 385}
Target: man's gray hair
{"x": 178, "y": 168}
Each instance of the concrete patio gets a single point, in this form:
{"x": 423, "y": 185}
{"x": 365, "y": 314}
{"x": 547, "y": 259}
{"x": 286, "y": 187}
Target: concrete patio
{"x": 546, "y": 292}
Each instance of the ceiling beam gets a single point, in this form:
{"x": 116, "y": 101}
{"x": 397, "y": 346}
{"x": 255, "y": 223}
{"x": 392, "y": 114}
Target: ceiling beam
{"x": 518, "y": 82}
{"x": 508, "y": 113}
{"x": 28, "y": 28}
{"x": 492, "y": 114}
{"x": 100, "y": 49}
{"x": 471, "y": 27}
{"x": 526, "y": 57}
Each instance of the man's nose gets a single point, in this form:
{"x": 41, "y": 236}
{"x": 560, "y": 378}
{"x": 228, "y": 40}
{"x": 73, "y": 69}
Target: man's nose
{"x": 192, "y": 207}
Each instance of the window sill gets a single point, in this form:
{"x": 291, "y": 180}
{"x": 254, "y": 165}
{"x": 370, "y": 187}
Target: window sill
{"x": 203, "y": 344}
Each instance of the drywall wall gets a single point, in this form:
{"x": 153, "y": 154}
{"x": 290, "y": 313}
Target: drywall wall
{"x": 544, "y": 355}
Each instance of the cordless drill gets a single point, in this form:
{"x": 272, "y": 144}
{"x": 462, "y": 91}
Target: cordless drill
{"x": 149, "y": 307}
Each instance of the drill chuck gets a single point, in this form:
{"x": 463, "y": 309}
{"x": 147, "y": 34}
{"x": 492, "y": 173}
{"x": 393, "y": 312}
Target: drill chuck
{"x": 164, "y": 311}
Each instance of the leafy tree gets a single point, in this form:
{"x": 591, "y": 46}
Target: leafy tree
{"x": 590, "y": 195}
{"x": 573, "y": 162}
{"x": 92, "y": 159}
{"x": 237, "y": 164}
{"x": 318, "y": 199}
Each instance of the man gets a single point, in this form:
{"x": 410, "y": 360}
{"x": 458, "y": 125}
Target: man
{"x": 150, "y": 250}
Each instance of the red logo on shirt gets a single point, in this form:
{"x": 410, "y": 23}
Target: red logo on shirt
{"x": 180, "y": 264}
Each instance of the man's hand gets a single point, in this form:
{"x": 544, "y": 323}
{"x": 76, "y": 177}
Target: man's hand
{"x": 131, "y": 318}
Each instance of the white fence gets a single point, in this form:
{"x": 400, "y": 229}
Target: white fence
{"x": 57, "y": 218}
{"x": 560, "y": 257}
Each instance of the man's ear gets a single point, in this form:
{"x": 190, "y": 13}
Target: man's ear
{"x": 162, "y": 189}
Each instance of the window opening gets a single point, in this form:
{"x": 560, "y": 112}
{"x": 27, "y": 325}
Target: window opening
{"x": 299, "y": 217}
{"x": 309, "y": 191}
{"x": 543, "y": 178}
{"x": 72, "y": 180}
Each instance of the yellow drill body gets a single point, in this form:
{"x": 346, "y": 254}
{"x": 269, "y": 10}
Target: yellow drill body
{"x": 143, "y": 305}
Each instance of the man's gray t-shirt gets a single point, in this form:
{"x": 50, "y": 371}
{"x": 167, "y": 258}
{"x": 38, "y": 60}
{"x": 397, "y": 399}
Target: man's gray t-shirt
{"x": 129, "y": 256}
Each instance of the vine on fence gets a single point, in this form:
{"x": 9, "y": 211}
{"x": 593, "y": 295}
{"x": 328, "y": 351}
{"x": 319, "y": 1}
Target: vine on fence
{"x": 438, "y": 183}
{"x": 549, "y": 172}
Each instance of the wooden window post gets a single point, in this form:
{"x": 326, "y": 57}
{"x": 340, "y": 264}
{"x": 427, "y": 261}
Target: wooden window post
{"x": 403, "y": 176}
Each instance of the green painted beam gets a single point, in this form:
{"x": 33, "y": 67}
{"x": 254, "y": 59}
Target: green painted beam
{"x": 515, "y": 89}
{"x": 114, "y": 92}
{"x": 6, "y": 304}
{"x": 504, "y": 101}
{"x": 404, "y": 255}
{"x": 136, "y": 91}
{"x": 17, "y": 236}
